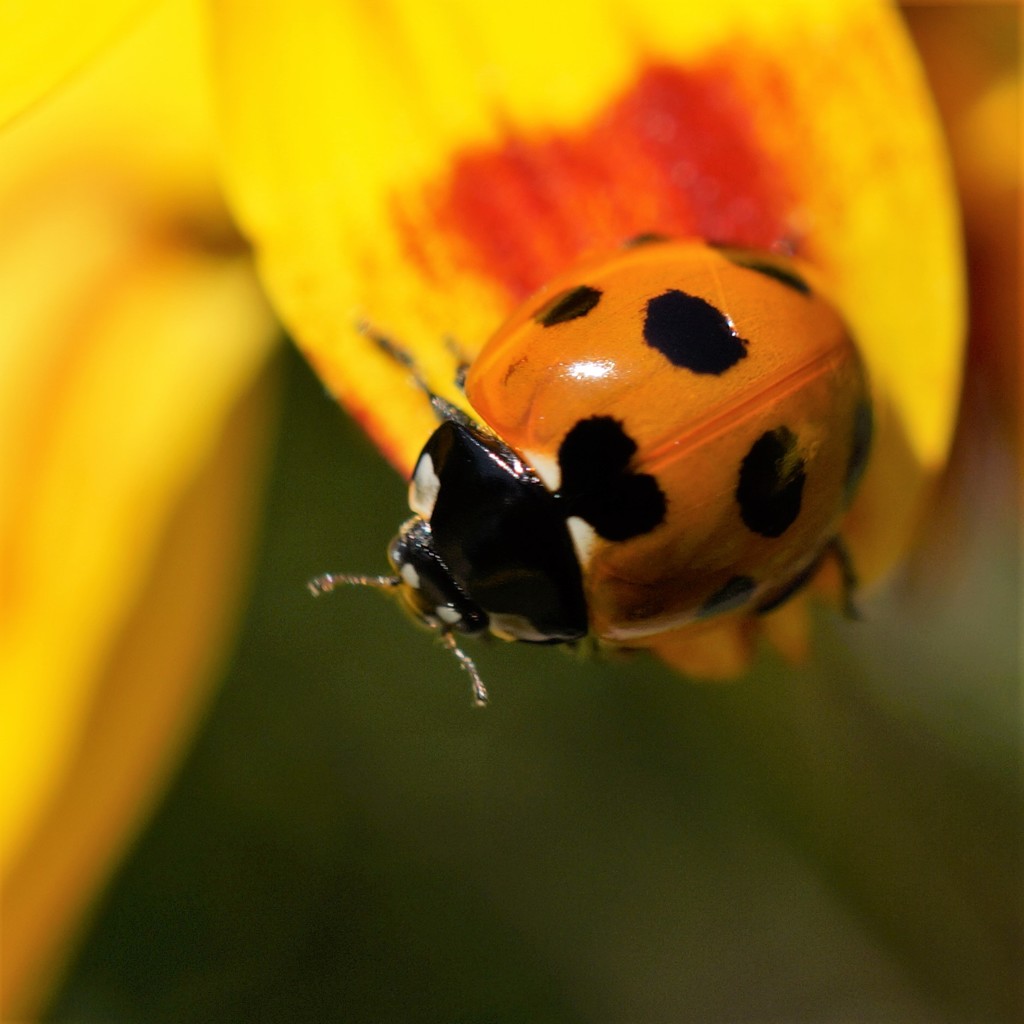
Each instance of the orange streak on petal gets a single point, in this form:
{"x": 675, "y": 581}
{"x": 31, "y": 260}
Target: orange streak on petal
{"x": 676, "y": 153}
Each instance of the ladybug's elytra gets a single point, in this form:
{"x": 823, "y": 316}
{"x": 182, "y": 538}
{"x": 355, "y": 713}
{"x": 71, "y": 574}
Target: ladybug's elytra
{"x": 665, "y": 435}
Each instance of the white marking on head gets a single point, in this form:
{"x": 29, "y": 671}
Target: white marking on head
{"x": 410, "y": 576}
{"x": 446, "y": 613}
{"x": 424, "y": 487}
{"x": 546, "y": 468}
{"x": 583, "y": 539}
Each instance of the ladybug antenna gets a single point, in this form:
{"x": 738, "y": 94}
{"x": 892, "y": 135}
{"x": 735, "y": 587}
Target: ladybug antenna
{"x": 326, "y": 583}
{"x": 329, "y": 581}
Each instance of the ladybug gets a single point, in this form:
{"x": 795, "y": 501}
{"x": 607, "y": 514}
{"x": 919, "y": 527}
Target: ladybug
{"x": 662, "y": 436}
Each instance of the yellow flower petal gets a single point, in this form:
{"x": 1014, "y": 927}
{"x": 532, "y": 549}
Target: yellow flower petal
{"x": 133, "y": 327}
{"x": 424, "y": 171}
{"x": 976, "y": 71}
{"x": 159, "y": 663}
{"x": 342, "y": 125}
{"x": 43, "y": 42}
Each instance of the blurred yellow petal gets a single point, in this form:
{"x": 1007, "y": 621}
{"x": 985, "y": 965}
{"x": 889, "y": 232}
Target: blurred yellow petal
{"x": 788, "y": 630}
{"x": 133, "y": 327}
{"x": 157, "y": 671}
{"x": 339, "y": 147}
{"x": 426, "y": 169}
{"x": 974, "y": 59}
{"x": 43, "y": 42}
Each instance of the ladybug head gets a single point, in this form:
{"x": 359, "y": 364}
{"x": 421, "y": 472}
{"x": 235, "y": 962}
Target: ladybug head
{"x": 426, "y": 589}
{"x": 426, "y": 584}
{"x": 487, "y": 550}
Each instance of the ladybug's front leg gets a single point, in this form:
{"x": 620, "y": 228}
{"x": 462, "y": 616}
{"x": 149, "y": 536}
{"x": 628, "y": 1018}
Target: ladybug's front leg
{"x": 462, "y": 362}
{"x": 443, "y": 409}
{"x": 835, "y": 550}
{"x": 848, "y": 576}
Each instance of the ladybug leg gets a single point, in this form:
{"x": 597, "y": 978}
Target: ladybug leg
{"x": 836, "y": 550}
{"x": 848, "y": 575}
{"x": 462, "y": 362}
{"x": 480, "y": 696}
{"x": 791, "y": 588}
{"x": 443, "y": 409}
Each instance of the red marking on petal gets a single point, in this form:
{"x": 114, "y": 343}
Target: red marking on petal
{"x": 676, "y": 154}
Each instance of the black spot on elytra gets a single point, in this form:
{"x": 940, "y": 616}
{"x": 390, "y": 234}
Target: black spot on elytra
{"x": 691, "y": 333}
{"x": 770, "y": 268}
{"x": 568, "y": 305}
{"x": 860, "y": 448}
{"x": 771, "y": 483}
{"x": 732, "y": 594}
{"x": 599, "y": 486}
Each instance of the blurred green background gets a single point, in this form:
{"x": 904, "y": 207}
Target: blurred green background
{"x": 351, "y": 840}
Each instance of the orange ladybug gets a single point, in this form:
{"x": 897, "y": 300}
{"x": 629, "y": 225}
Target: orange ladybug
{"x": 662, "y": 436}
